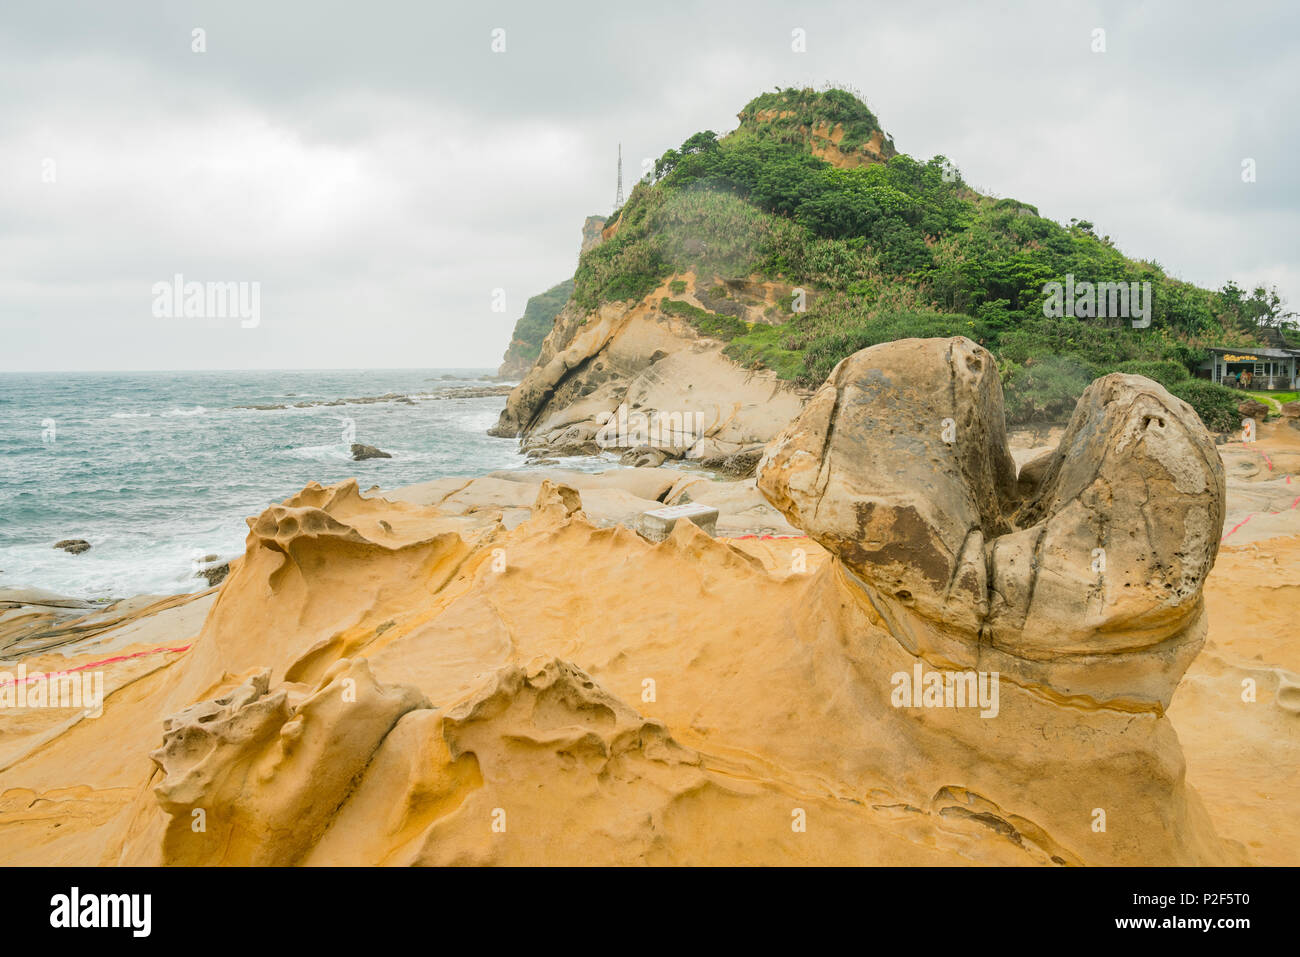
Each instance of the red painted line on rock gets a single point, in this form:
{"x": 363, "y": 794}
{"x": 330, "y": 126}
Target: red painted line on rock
{"x": 1252, "y": 515}
{"x": 1238, "y": 525}
{"x": 105, "y": 661}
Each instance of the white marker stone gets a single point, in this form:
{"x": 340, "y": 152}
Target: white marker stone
{"x": 657, "y": 524}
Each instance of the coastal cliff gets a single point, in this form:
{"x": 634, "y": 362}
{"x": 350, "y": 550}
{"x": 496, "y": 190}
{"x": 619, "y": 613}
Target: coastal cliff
{"x": 746, "y": 266}
{"x": 596, "y": 370}
{"x": 540, "y": 312}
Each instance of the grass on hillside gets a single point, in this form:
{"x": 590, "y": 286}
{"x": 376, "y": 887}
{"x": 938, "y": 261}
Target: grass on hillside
{"x": 901, "y": 249}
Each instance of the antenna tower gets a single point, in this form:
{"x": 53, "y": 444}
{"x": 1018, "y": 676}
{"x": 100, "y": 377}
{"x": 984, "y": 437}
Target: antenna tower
{"x": 618, "y": 197}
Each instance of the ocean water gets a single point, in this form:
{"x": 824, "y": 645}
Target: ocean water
{"x": 156, "y": 470}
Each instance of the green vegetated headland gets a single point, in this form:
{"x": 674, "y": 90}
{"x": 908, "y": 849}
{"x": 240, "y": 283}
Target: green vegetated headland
{"x": 809, "y": 192}
{"x": 533, "y": 327}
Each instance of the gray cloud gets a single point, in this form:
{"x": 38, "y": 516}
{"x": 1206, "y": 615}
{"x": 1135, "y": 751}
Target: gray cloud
{"x": 380, "y": 171}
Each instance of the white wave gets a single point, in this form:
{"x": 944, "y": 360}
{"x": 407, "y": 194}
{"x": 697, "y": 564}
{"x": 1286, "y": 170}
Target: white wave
{"x": 320, "y": 453}
{"x": 262, "y": 412}
{"x": 113, "y": 569}
{"x": 197, "y": 410}
{"x": 131, "y": 415}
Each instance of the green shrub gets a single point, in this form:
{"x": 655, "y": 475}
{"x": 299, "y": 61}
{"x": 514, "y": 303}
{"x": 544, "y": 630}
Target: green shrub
{"x": 707, "y": 323}
{"x": 1214, "y": 403}
{"x": 829, "y": 334}
{"x": 810, "y": 107}
{"x": 625, "y": 267}
{"x": 708, "y": 231}
{"x": 893, "y": 250}
{"x": 1044, "y": 390}
{"x": 763, "y": 346}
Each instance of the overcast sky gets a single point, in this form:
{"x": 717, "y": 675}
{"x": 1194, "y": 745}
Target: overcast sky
{"x": 380, "y": 171}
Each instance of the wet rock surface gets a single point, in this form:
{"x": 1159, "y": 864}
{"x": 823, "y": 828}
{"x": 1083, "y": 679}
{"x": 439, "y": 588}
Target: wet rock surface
{"x": 362, "y": 452}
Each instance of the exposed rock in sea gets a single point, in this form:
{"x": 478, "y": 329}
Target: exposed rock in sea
{"x": 74, "y": 546}
{"x": 215, "y": 573}
{"x": 362, "y": 452}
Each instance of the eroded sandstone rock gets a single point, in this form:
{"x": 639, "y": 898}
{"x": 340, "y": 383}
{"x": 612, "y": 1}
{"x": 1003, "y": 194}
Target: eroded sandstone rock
{"x": 557, "y": 501}
{"x": 695, "y": 693}
{"x": 624, "y": 359}
{"x": 1083, "y": 574}
{"x": 252, "y": 778}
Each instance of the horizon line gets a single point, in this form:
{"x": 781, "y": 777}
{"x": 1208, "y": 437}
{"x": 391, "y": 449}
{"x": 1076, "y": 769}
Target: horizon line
{"x": 277, "y": 369}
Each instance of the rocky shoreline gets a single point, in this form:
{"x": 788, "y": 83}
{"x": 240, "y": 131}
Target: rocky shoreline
{"x": 388, "y": 670}
{"x": 640, "y": 380}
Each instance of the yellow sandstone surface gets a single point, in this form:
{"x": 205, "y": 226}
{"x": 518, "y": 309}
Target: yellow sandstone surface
{"x": 383, "y": 682}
